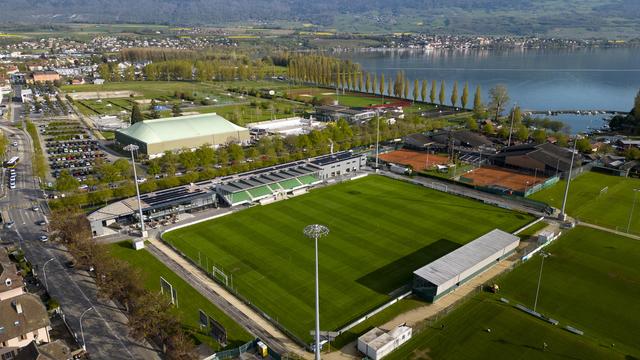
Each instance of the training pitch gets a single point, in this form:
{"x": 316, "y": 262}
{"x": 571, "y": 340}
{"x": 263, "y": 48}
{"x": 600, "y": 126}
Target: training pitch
{"x": 381, "y": 231}
{"x": 590, "y": 281}
{"x": 599, "y": 199}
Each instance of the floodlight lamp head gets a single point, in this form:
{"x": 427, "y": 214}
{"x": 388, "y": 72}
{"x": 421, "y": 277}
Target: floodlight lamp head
{"x": 131, "y": 147}
{"x": 315, "y": 231}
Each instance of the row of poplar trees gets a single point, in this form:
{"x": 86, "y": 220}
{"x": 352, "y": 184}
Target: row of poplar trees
{"x": 348, "y": 76}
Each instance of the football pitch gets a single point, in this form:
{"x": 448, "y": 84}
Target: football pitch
{"x": 600, "y": 199}
{"x": 381, "y": 231}
{"x": 590, "y": 281}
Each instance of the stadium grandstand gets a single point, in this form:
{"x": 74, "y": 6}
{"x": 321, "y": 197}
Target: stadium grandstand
{"x": 270, "y": 184}
{"x": 259, "y": 186}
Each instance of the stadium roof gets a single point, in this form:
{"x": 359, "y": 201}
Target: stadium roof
{"x": 179, "y": 128}
{"x": 549, "y": 154}
{"x": 456, "y": 262}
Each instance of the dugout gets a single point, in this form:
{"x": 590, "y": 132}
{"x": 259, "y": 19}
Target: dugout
{"x": 447, "y": 273}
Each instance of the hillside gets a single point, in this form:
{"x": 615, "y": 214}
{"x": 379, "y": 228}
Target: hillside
{"x": 577, "y": 18}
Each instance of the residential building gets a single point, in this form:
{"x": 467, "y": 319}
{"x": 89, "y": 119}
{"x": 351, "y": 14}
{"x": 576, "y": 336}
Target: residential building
{"x": 23, "y": 316}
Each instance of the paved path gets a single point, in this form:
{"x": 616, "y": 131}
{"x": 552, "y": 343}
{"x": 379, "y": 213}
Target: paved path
{"x": 598, "y": 227}
{"x": 226, "y": 301}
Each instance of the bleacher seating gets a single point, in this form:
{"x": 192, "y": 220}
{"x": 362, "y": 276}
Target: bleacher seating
{"x": 260, "y": 191}
{"x": 290, "y": 184}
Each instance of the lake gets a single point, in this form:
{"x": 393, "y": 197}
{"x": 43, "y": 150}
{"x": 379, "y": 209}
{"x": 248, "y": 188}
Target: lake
{"x": 537, "y": 79}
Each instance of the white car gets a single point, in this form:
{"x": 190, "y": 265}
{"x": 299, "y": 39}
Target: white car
{"x": 44, "y": 238}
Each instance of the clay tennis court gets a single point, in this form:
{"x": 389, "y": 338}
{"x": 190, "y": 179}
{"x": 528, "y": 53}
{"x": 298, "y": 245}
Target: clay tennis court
{"x": 416, "y": 159}
{"x": 513, "y": 180}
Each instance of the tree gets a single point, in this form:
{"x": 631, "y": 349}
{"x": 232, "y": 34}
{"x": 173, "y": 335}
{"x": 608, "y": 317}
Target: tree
{"x": 129, "y": 73}
{"x": 188, "y": 159}
{"x": 442, "y": 92}
{"x": 236, "y": 152}
{"x": 499, "y": 99}
{"x": 465, "y": 95}
{"x": 175, "y": 110}
{"x": 390, "y": 88}
{"x": 423, "y": 91}
{"x": 405, "y": 93}
{"x": 517, "y": 115}
{"x": 374, "y": 83}
{"x": 66, "y": 182}
{"x": 523, "y": 133}
{"x": 539, "y": 136}
{"x": 368, "y": 83}
{"x": 153, "y": 167}
{"x": 415, "y": 90}
{"x": 478, "y": 109}
{"x": 123, "y": 167}
{"x": 206, "y": 155}
{"x": 136, "y": 114}
{"x": 432, "y": 95}
{"x": 105, "y": 73}
{"x": 488, "y": 128}
{"x": 382, "y": 84}
{"x": 584, "y": 145}
{"x": 454, "y": 94}
{"x": 472, "y": 124}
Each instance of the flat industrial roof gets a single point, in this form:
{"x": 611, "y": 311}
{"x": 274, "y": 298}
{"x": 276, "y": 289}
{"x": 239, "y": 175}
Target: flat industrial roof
{"x": 456, "y": 262}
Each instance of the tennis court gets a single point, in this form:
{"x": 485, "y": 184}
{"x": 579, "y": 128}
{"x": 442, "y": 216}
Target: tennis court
{"x": 416, "y": 159}
{"x": 491, "y": 176}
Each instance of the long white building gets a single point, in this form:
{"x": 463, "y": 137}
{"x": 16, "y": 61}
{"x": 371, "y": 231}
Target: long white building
{"x": 445, "y": 274}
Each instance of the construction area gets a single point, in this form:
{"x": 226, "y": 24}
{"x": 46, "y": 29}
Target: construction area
{"x": 507, "y": 180}
{"x": 416, "y": 159}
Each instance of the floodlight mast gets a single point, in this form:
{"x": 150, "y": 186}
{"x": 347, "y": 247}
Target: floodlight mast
{"x": 562, "y": 215}
{"x": 132, "y": 148}
{"x": 315, "y": 232}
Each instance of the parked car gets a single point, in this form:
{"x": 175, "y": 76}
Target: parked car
{"x": 44, "y": 238}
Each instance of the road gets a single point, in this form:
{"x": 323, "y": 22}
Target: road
{"x": 105, "y": 329}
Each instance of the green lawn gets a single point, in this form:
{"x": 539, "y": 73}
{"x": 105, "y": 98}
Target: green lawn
{"x": 189, "y": 300}
{"x": 591, "y": 281}
{"x": 381, "y": 231}
{"x": 514, "y": 335}
{"x": 586, "y": 203}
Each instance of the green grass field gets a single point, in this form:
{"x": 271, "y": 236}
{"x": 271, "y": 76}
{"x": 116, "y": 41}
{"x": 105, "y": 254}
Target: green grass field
{"x": 585, "y": 202}
{"x": 189, "y": 299}
{"x": 381, "y": 231}
{"x": 591, "y": 281}
{"x": 514, "y": 335}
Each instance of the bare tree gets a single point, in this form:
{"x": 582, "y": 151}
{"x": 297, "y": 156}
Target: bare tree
{"x": 499, "y": 99}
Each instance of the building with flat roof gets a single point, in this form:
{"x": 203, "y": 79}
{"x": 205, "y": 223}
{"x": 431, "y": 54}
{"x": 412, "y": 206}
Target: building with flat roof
{"x": 285, "y": 127}
{"x": 447, "y": 273}
{"x": 378, "y": 343}
{"x": 154, "y": 137}
{"x": 336, "y": 112}
{"x": 44, "y": 76}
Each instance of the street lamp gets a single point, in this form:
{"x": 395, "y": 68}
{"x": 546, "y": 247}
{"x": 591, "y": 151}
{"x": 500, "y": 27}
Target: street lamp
{"x": 544, "y": 255}
{"x": 315, "y": 232}
{"x": 132, "y": 148}
{"x": 44, "y": 273}
{"x": 84, "y": 345}
{"x": 633, "y": 205}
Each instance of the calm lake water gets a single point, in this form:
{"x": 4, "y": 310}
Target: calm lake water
{"x": 538, "y": 79}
